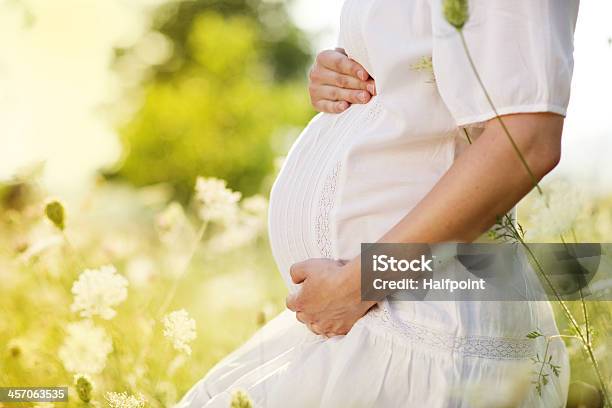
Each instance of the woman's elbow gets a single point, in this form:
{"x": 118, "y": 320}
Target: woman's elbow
{"x": 538, "y": 135}
{"x": 547, "y": 157}
{"x": 546, "y": 148}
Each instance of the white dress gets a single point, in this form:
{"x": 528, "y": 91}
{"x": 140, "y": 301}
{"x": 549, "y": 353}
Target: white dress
{"x": 350, "y": 177}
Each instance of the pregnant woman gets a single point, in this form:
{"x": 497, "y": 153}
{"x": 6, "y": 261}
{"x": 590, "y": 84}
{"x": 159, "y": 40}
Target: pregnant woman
{"x": 398, "y": 169}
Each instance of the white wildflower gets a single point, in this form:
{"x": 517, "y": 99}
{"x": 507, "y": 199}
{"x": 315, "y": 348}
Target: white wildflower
{"x": 180, "y": 329}
{"x": 216, "y": 202}
{"x": 85, "y": 348}
{"x": 97, "y": 291}
{"x": 124, "y": 400}
{"x": 555, "y": 213}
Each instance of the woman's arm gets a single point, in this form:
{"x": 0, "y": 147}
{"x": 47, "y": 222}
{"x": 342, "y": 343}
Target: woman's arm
{"x": 486, "y": 181}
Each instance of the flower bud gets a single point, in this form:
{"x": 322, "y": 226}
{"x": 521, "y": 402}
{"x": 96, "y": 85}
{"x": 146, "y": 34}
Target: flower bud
{"x": 54, "y": 210}
{"x": 83, "y": 386}
{"x": 456, "y": 12}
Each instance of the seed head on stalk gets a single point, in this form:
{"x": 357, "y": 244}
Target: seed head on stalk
{"x": 54, "y": 211}
{"x": 456, "y": 12}
{"x": 83, "y": 386}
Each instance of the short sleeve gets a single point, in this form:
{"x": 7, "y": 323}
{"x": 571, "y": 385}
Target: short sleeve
{"x": 522, "y": 50}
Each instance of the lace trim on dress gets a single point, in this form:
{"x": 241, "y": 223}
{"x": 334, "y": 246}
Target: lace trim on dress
{"x": 497, "y": 348}
{"x": 326, "y": 203}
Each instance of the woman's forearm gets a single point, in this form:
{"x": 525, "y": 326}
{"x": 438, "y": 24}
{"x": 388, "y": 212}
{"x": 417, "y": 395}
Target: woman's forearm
{"x": 485, "y": 182}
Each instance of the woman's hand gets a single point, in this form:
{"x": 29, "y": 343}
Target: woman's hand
{"x": 336, "y": 82}
{"x": 329, "y": 299}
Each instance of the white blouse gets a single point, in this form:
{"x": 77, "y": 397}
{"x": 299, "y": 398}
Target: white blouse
{"x": 523, "y": 50}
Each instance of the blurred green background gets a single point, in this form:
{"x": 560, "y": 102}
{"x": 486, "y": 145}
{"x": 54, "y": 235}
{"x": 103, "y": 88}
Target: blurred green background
{"x": 221, "y": 104}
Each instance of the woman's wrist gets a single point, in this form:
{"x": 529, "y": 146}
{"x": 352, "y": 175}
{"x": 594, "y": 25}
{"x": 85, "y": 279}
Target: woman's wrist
{"x": 350, "y": 282}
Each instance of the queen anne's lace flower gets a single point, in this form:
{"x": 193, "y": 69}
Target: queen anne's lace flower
{"x": 85, "y": 348}
{"x": 97, "y": 291}
{"x": 124, "y": 400}
{"x": 216, "y": 202}
{"x": 180, "y": 329}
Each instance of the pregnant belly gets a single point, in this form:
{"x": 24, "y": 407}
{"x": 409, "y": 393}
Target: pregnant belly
{"x": 346, "y": 180}
{"x": 296, "y": 194}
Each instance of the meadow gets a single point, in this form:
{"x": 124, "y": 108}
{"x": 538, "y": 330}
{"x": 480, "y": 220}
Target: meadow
{"x": 227, "y": 284}
{"x": 174, "y": 289}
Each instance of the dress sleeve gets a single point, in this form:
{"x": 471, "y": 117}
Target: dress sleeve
{"x": 522, "y": 49}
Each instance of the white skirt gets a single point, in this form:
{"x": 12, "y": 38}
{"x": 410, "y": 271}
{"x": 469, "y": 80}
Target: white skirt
{"x": 382, "y": 362}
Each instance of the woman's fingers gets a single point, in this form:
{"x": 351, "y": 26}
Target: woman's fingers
{"x": 338, "y": 62}
{"x": 326, "y": 76}
{"x": 308, "y": 321}
{"x": 326, "y": 328}
{"x": 301, "y": 317}
{"x": 298, "y": 273}
{"x": 315, "y": 328}
{"x": 323, "y": 105}
{"x": 336, "y": 82}
{"x": 371, "y": 87}
{"x": 333, "y": 93}
{"x": 327, "y": 84}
